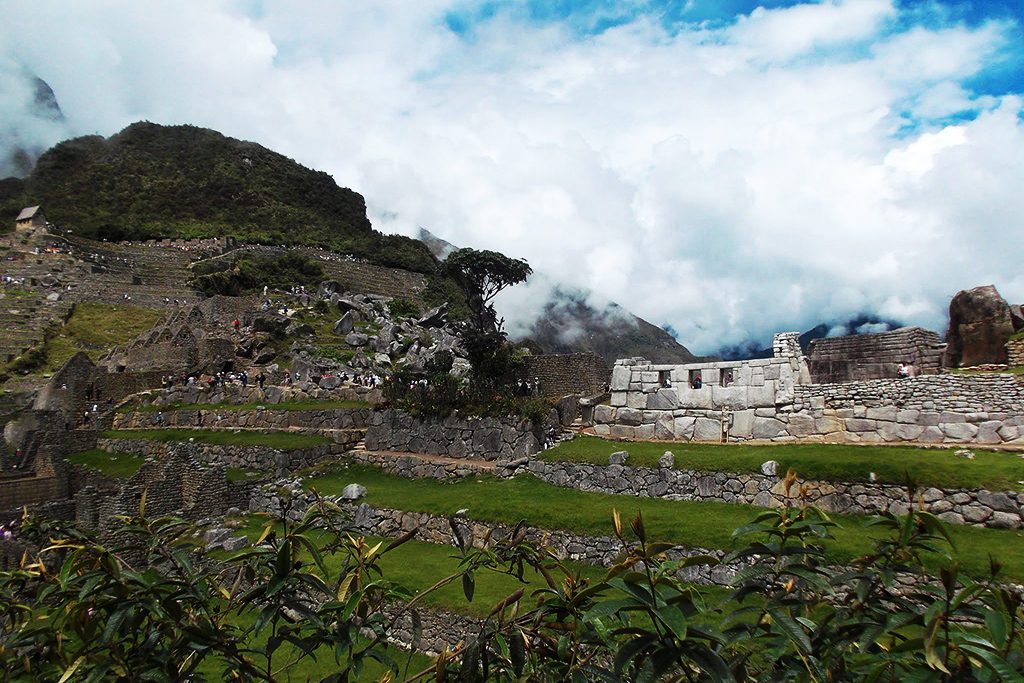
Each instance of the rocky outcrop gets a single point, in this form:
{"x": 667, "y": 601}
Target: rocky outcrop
{"x": 980, "y": 323}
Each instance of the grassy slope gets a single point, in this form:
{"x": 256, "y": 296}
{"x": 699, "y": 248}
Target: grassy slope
{"x": 95, "y": 328}
{"x": 708, "y": 525}
{"x": 124, "y": 465}
{"x": 285, "y": 441}
{"x": 997, "y": 471}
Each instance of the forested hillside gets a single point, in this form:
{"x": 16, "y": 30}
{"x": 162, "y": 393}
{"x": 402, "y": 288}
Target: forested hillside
{"x": 152, "y": 181}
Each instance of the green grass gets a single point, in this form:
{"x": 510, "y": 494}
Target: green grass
{"x": 993, "y": 470}
{"x": 124, "y": 465}
{"x": 707, "y": 525}
{"x": 285, "y": 405}
{"x": 95, "y": 328}
{"x": 285, "y": 441}
{"x": 109, "y": 463}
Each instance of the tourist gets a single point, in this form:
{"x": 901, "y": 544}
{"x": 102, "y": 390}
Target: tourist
{"x": 260, "y": 379}
{"x": 236, "y": 324}
{"x": 903, "y": 372}
{"x": 697, "y": 382}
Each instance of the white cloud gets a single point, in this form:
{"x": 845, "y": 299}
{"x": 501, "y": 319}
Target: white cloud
{"x": 728, "y": 181}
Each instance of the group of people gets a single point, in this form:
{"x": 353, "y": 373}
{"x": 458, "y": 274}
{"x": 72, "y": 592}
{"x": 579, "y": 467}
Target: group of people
{"x": 215, "y": 380}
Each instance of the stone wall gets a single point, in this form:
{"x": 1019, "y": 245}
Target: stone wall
{"x": 573, "y": 373}
{"x": 935, "y": 409}
{"x": 995, "y": 509}
{"x": 1015, "y": 352}
{"x": 180, "y": 483}
{"x": 17, "y": 492}
{"x": 183, "y": 394}
{"x": 256, "y": 458}
{"x": 457, "y": 437}
{"x": 338, "y": 418}
{"x": 874, "y": 356}
{"x": 387, "y": 522}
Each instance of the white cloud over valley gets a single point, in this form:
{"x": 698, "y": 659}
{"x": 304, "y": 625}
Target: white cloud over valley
{"x": 785, "y": 168}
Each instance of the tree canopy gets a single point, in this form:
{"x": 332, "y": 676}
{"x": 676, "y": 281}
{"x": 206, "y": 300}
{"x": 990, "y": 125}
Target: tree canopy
{"x": 482, "y": 274}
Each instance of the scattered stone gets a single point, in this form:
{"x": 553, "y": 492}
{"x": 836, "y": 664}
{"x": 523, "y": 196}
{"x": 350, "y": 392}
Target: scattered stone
{"x": 618, "y": 458}
{"x": 770, "y": 468}
{"x": 964, "y": 453}
{"x": 667, "y": 461}
{"x": 353, "y": 492}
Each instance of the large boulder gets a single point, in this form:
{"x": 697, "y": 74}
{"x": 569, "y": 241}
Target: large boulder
{"x": 979, "y": 326}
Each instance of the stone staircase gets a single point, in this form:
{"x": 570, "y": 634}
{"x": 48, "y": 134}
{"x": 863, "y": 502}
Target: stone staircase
{"x": 417, "y": 465}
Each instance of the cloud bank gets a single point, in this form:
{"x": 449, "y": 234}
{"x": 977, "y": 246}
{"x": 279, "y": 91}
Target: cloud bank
{"x": 728, "y": 178}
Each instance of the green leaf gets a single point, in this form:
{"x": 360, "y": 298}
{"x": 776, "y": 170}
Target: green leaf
{"x": 790, "y": 628}
{"x": 468, "y": 585}
{"x": 995, "y": 662}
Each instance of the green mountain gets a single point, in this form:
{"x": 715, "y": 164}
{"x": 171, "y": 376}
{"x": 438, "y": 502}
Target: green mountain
{"x": 152, "y": 181}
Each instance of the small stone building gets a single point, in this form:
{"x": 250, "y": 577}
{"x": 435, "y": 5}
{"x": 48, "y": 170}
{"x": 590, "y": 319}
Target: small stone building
{"x": 30, "y": 218}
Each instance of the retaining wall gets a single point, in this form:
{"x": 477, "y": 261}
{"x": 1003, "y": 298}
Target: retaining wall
{"x": 1015, "y": 352}
{"x": 341, "y": 418}
{"x": 874, "y": 356}
{"x": 458, "y": 437}
{"x": 572, "y": 373}
{"x": 258, "y": 458}
{"x": 977, "y": 507}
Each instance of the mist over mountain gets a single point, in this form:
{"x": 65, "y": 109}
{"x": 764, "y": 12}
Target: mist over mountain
{"x": 30, "y": 115}
{"x": 865, "y": 323}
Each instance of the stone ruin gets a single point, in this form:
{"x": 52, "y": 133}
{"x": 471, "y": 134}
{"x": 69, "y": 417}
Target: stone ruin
{"x": 861, "y": 357}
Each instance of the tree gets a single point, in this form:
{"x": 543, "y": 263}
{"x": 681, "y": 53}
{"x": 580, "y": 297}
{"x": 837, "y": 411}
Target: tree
{"x": 481, "y": 275}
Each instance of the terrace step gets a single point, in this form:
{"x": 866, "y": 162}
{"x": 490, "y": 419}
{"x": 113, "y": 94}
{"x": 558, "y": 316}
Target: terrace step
{"x": 424, "y": 464}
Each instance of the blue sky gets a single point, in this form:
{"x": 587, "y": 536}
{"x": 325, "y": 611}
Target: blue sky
{"x": 723, "y": 167}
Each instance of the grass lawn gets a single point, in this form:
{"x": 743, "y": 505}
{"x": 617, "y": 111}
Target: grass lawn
{"x": 95, "y": 328}
{"x": 109, "y": 463}
{"x": 707, "y": 525}
{"x": 286, "y": 405}
{"x": 124, "y": 465}
{"x": 993, "y": 470}
{"x": 285, "y": 441}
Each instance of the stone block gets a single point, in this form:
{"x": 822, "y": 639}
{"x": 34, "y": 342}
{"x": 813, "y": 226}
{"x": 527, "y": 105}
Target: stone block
{"x": 604, "y": 414}
{"x": 742, "y": 424}
{"x": 644, "y": 432}
{"x": 683, "y": 427}
{"x": 706, "y": 429}
{"x": 1008, "y": 433}
{"x": 636, "y": 400}
{"x": 663, "y": 428}
{"x": 948, "y": 417}
{"x": 908, "y": 416}
{"x": 629, "y": 416}
{"x": 988, "y": 432}
{"x": 976, "y": 514}
{"x": 998, "y": 501}
{"x": 829, "y": 424}
{"x": 699, "y": 399}
{"x": 859, "y": 424}
{"x": 761, "y": 397}
{"x": 649, "y": 377}
{"x": 733, "y": 397}
{"x": 618, "y": 458}
{"x": 622, "y": 432}
{"x": 620, "y": 378}
{"x": 618, "y": 399}
{"x": 1003, "y": 520}
{"x": 667, "y": 461}
{"x": 770, "y": 468}
{"x": 802, "y": 425}
{"x": 959, "y": 431}
{"x": 602, "y": 430}
{"x": 886, "y": 413}
{"x": 931, "y": 434}
{"x": 663, "y": 399}
{"x": 767, "y": 428}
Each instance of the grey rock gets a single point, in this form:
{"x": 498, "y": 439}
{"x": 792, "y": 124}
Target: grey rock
{"x": 236, "y": 543}
{"x": 353, "y": 492}
{"x": 667, "y": 461}
{"x": 346, "y": 323}
{"x": 770, "y": 468}
{"x": 618, "y": 458}
{"x": 357, "y": 339}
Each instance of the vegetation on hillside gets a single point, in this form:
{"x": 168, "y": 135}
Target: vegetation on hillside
{"x": 317, "y": 592}
{"x": 152, "y": 181}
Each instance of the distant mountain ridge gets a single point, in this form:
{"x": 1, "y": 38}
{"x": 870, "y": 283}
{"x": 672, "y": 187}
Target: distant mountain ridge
{"x": 864, "y": 323}
{"x": 569, "y": 324}
{"x": 18, "y": 154}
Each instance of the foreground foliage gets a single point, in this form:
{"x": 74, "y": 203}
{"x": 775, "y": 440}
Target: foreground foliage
{"x": 151, "y": 606}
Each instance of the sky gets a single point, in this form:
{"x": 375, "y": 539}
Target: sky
{"x": 725, "y": 168}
